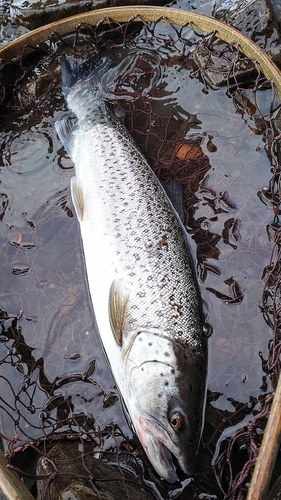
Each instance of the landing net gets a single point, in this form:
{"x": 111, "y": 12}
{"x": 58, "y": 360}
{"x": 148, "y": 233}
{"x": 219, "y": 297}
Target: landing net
{"x": 209, "y": 122}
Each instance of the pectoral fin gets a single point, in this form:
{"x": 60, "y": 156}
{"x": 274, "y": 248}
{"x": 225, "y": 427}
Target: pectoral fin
{"x": 118, "y": 309}
{"x": 78, "y": 198}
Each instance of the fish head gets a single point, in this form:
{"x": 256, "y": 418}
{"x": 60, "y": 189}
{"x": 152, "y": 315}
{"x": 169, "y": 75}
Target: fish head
{"x": 167, "y": 407}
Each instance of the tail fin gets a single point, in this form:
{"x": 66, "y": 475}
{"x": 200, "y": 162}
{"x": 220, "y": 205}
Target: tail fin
{"x": 75, "y": 70}
{"x": 69, "y": 72}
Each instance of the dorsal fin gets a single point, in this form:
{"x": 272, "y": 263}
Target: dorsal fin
{"x": 78, "y": 197}
{"x": 118, "y": 309}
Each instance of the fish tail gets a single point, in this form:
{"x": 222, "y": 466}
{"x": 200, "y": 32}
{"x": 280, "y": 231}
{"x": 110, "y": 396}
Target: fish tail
{"x": 69, "y": 72}
{"x": 82, "y": 87}
{"x": 75, "y": 70}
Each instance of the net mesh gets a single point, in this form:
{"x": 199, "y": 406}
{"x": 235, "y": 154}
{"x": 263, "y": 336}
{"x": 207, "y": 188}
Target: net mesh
{"x": 39, "y": 411}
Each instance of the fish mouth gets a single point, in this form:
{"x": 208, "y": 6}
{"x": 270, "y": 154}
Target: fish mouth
{"x": 160, "y": 457}
{"x": 166, "y": 462}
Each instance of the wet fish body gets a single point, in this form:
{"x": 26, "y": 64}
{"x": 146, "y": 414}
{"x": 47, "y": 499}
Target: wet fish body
{"x": 141, "y": 280}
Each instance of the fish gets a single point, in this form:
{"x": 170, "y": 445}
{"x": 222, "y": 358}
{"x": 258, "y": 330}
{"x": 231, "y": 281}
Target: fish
{"x": 141, "y": 277}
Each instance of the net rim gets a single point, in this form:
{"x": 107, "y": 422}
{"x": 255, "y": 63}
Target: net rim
{"x": 202, "y": 22}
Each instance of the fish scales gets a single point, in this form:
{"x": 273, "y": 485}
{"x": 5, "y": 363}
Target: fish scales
{"x": 141, "y": 280}
{"x": 138, "y": 224}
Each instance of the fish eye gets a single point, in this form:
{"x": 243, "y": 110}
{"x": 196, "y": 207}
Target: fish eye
{"x": 177, "y": 421}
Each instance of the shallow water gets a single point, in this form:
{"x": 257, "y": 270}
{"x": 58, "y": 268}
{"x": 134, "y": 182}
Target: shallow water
{"x": 53, "y": 367}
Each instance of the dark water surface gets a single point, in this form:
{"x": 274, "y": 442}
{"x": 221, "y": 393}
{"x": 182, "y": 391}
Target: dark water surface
{"x": 53, "y": 375}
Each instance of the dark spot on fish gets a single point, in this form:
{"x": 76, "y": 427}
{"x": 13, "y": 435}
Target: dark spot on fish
{"x": 163, "y": 243}
{"x": 159, "y": 395}
{"x": 166, "y": 382}
{"x": 142, "y": 369}
{"x": 160, "y": 314}
{"x": 140, "y": 339}
{"x": 172, "y": 371}
{"x": 149, "y": 343}
{"x": 162, "y": 374}
{"x": 167, "y": 354}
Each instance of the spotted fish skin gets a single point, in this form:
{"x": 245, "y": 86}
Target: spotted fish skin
{"x": 141, "y": 280}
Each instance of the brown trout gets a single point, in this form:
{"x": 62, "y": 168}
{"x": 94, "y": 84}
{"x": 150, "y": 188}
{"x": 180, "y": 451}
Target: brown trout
{"x": 141, "y": 279}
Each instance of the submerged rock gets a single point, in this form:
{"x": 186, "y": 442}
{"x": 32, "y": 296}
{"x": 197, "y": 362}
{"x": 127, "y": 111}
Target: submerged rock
{"x": 220, "y": 71}
{"x": 73, "y": 471}
{"x": 276, "y": 10}
{"x": 35, "y": 13}
{"x": 8, "y": 30}
{"x": 255, "y": 19}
